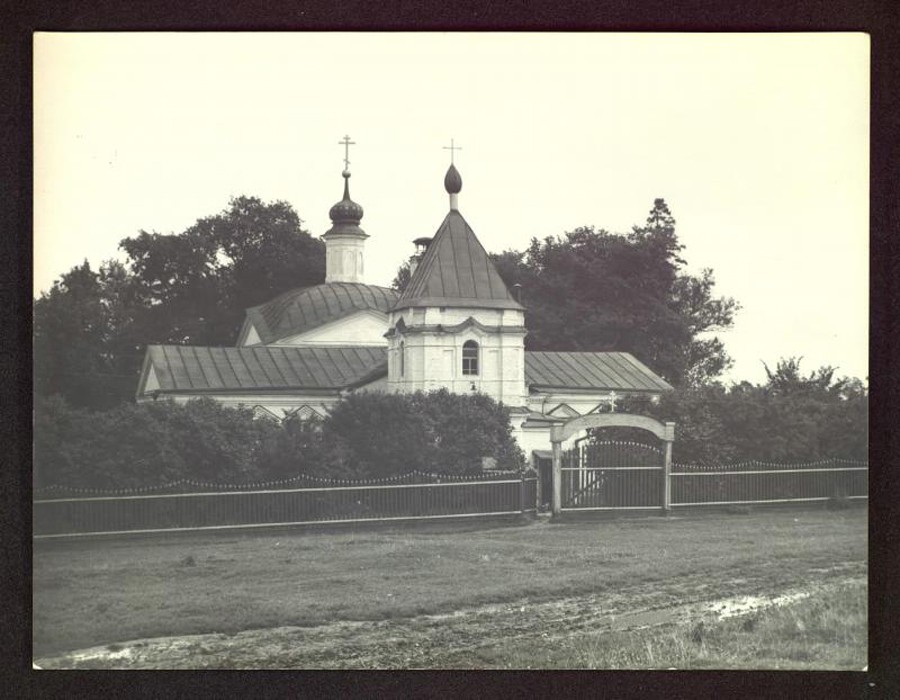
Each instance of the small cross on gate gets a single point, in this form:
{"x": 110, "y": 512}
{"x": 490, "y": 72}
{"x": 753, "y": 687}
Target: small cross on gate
{"x": 347, "y": 143}
{"x": 612, "y": 398}
{"x": 452, "y": 148}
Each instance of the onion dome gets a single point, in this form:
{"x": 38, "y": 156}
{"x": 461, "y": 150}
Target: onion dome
{"x": 452, "y": 180}
{"x": 346, "y": 214}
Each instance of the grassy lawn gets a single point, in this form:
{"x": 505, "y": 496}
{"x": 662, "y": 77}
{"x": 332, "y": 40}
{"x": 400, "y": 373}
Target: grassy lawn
{"x": 107, "y": 591}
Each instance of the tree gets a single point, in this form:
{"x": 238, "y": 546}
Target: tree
{"x": 402, "y": 278}
{"x": 789, "y": 419}
{"x": 189, "y": 288}
{"x": 83, "y": 337}
{"x": 593, "y": 290}
{"x": 197, "y": 284}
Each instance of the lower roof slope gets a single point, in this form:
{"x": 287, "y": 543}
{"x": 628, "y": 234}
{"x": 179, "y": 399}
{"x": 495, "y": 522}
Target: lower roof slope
{"x": 619, "y": 371}
{"x": 185, "y": 368}
{"x": 259, "y": 368}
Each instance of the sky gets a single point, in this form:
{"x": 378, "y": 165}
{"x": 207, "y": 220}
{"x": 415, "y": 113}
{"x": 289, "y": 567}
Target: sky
{"x": 758, "y": 143}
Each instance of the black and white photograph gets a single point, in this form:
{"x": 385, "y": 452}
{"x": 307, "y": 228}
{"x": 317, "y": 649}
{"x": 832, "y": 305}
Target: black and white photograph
{"x": 450, "y": 350}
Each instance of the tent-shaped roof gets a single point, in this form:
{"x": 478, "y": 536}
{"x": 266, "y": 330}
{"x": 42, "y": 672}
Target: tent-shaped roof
{"x": 303, "y": 309}
{"x": 456, "y": 271}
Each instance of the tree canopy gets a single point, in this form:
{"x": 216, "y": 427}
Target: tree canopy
{"x": 192, "y": 288}
{"x": 592, "y": 290}
{"x": 790, "y": 418}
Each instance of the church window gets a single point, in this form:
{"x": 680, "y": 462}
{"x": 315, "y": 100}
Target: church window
{"x": 470, "y": 357}
{"x": 402, "y": 358}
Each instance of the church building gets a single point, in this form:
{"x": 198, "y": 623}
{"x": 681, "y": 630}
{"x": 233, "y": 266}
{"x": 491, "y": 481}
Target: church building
{"x": 456, "y": 325}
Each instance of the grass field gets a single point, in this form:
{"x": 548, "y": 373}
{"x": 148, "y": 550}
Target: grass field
{"x": 568, "y": 595}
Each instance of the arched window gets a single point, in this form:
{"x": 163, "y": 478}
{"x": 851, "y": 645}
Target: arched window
{"x": 470, "y": 357}
{"x": 402, "y": 358}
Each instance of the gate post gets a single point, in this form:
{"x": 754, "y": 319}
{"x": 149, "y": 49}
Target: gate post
{"x": 669, "y": 437}
{"x": 522, "y": 493}
{"x": 556, "y": 506}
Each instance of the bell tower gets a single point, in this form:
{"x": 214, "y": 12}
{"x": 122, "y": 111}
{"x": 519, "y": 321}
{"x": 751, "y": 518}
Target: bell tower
{"x": 456, "y": 325}
{"x": 345, "y": 240}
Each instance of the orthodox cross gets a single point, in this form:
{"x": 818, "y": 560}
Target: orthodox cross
{"x": 452, "y": 148}
{"x": 612, "y": 397}
{"x": 347, "y": 143}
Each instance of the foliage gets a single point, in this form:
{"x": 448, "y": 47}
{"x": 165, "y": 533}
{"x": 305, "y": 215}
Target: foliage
{"x": 189, "y": 288}
{"x": 366, "y": 436}
{"x": 84, "y": 337}
{"x": 196, "y": 285}
{"x": 438, "y": 431}
{"x": 790, "y": 418}
{"x": 592, "y": 290}
{"x": 135, "y": 445}
{"x": 402, "y": 278}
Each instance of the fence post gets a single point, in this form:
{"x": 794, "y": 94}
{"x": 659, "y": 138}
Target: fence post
{"x": 667, "y": 469}
{"x": 557, "y": 479}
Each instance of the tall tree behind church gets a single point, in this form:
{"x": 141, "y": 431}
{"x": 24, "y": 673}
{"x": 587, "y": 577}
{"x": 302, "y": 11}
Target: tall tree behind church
{"x": 594, "y": 290}
{"x": 188, "y": 288}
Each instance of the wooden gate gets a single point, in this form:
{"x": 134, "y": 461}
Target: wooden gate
{"x": 612, "y": 475}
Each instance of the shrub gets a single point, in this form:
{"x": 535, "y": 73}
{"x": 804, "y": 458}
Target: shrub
{"x": 366, "y": 436}
{"x": 789, "y": 419}
{"x": 438, "y": 431}
{"x": 134, "y": 445}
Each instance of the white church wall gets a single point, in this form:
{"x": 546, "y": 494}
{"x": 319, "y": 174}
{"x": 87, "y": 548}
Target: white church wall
{"x": 344, "y": 258}
{"x": 530, "y": 439}
{"x": 434, "y": 360}
{"x": 360, "y": 328}
{"x": 581, "y": 403}
{"x": 277, "y": 405}
{"x": 250, "y": 337}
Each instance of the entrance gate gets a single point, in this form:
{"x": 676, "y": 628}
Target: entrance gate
{"x": 613, "y": 475}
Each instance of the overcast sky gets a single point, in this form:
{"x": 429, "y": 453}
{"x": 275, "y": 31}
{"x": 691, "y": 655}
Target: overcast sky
{"x": 758, "y": 143}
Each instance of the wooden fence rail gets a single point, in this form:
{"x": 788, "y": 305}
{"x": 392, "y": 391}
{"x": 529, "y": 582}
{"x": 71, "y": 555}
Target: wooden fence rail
{"x": 623, "y": 476}
{"x": 768, "y": 485}
{"x": 61, "y": 517}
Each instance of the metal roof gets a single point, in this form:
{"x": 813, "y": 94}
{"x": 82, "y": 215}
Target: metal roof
{"x": 303, "y": 309}
{"x": 261, "y": 368}
{"x": 590, "y": 370}
{"x": 456, "y": 271}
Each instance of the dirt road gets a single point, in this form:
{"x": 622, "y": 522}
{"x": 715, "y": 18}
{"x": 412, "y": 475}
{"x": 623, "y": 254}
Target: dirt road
{"x": 466, "y": 638}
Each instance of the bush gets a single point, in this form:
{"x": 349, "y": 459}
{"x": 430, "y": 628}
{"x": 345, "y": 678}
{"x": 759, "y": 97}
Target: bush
{"x": 299, "y": 447}
{"x": 789, "y": 419}
{"x": 366, "y": 436}
{"x": 388, "y": 434}
{"x": 135, "y": 445}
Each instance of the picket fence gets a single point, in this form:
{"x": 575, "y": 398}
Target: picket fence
{"x": 757, "y": 483}
{"x": 617, "y": 475}
{"x": 413, "y": 496}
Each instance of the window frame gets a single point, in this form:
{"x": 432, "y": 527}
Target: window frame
{"x": 471, "y": 366}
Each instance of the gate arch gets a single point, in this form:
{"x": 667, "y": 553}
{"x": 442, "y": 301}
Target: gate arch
{"x": 561, "y": 433}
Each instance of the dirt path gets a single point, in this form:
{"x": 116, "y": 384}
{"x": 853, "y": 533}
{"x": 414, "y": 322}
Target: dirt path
{"x": 446, "y": 640}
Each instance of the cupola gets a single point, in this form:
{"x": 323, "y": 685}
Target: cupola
{"x": 345, "y": 240}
